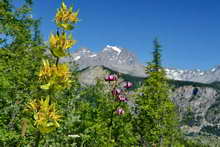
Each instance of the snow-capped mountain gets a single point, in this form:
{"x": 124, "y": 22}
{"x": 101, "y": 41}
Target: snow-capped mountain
{"x": 113, "y": 57}
{"x": 121, "y": 60}
{"x": 208, "y": 76}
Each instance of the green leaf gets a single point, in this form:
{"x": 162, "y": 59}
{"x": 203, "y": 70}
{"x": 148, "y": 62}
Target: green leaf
{"x": 46, "y": 86}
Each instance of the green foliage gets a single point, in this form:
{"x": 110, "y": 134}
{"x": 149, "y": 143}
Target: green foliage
{"x": 89, "y": 116}
{"x": 66, "y": 100}
{"x": 157, "y": 54}
{"x": 42, "y": 111}
{"x": 191, "y": 142}
{"x": 156, "y": 120}
{"x": 20, "y": 57}
{"x": 99, "y": 124}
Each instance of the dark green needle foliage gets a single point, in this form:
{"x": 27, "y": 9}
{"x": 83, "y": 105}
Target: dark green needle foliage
{"x": 157, "y": 54}
{"x": 156, "y": 121}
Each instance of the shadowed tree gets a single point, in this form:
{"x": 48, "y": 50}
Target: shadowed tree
{"x": 157, "y": 54}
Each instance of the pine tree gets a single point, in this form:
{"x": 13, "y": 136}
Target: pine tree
{"x": 156, "y": 116}
{"x": 157, "y": 54}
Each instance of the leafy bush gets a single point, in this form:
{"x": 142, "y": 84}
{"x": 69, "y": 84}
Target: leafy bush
{"x": 43, "y": 103}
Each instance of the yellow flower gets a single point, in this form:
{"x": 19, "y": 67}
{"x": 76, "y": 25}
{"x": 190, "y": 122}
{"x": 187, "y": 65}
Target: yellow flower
{"x": 45, "y": 116}
{"x": 57, "y": 77}
{"x": 33, "y": 106}
{"x": 45, "y": 70}
{"x": 66, "y": 18}
{"x": 60, "y": 43}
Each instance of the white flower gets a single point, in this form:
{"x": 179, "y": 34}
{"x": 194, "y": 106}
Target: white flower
{"x": 74, "y": 136}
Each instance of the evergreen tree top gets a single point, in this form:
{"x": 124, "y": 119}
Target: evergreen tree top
{"x": 157, "y": 54}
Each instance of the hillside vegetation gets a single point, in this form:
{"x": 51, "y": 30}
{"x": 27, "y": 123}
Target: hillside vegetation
{"x": 43, "y": 102}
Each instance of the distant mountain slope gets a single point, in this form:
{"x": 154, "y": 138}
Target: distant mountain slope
{"x": 121, "y": 60}
{"x": 101, "y": 71}
{"x": 208, "y": 76}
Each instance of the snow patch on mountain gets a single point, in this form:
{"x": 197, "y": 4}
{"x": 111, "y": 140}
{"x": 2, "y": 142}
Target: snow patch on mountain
{"x": 202, "y": 73}
{"x": 94, "y": 55}
{"x": 115, "y": 48}
{"x": 213, "y": 69}
{"x": 76, "y": 58}
{"x": 174, "y": 74}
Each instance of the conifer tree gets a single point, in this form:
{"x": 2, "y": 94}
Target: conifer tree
{"x": 157, "y": 54}
{"x": 156, "y": 121}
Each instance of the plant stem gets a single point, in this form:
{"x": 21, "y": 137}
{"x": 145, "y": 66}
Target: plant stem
{"x": 57, "y": 61}
{"x": 110, "y": 126}
{"x": 37, "y": 139}
{"x": 111, "y": 122}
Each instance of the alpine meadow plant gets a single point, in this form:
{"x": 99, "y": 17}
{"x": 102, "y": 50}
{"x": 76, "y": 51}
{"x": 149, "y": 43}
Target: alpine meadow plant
{"x": 53, "y": 77}
{"x": 120, "y": 114}
{"x": 105, "y": 114}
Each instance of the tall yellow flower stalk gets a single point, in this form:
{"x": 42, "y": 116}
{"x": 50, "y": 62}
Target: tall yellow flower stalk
{"x": 54, "y": 77}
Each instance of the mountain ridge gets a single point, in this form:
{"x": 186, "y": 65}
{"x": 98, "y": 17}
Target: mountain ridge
{"x": 121, "y": 60}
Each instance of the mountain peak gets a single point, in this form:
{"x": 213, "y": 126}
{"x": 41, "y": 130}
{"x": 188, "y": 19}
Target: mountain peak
{"x": 120, "y": 59}
{"x": 114, "y": 48}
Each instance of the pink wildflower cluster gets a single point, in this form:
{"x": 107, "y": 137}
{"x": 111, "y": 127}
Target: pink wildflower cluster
{"x": 120, "y": 111}
{"x": 119, "y": 93}
{"x": 128, "y": 85}
{"x": 111, "y": 78}
{"x": 122, "y": 98}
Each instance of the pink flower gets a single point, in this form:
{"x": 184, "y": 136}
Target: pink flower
{"x": 116, "y": 92}
{"x": 122, "y": 98}
{"x": 120, "y": 111}
{"x": 111, "y": 78}
{"x": 128, "y": 85}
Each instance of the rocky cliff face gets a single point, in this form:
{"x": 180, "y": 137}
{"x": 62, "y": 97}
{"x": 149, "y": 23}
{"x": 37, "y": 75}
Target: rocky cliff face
{"x": 91, "y": 74}
{"x": 199, "y": 108}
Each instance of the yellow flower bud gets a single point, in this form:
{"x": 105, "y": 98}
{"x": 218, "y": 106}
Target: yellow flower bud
{"x": 66, "y": 18}
{"x": 60, "y": 43}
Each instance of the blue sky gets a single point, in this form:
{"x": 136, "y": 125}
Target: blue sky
{"x": 189, "y": 30}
